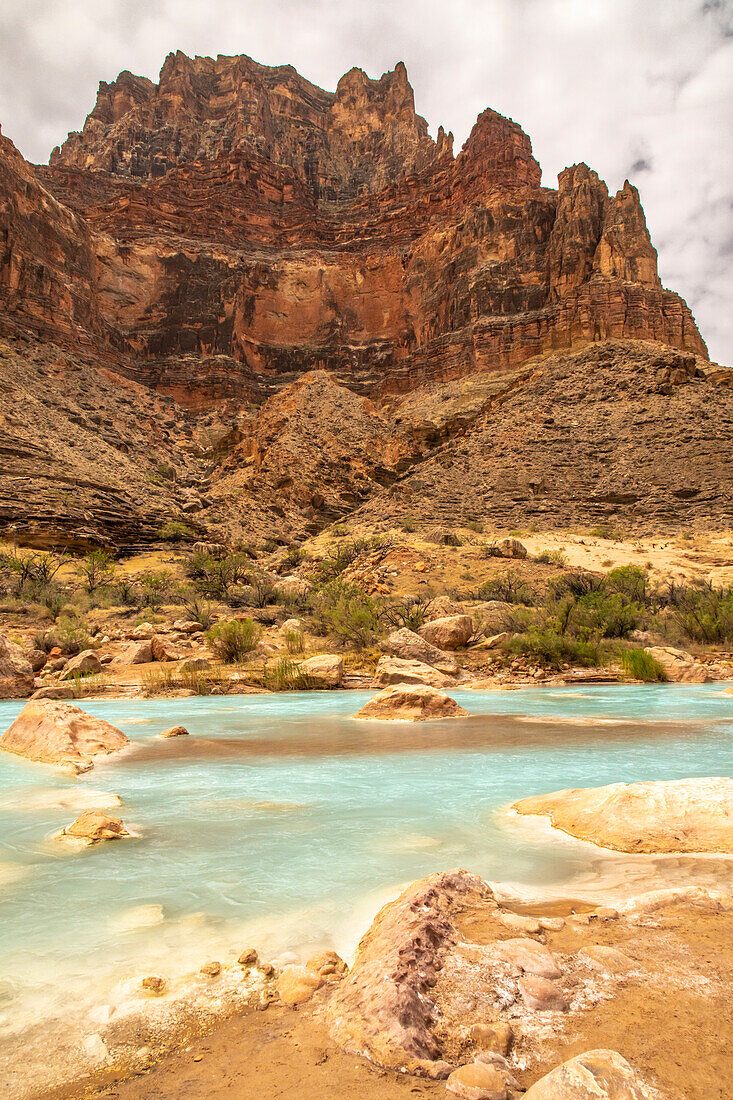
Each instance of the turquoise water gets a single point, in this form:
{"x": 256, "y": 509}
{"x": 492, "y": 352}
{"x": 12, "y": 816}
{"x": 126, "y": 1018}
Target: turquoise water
{"x": 282, "y": 824}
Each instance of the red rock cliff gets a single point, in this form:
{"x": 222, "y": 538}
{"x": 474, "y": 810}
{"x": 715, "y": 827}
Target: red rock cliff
{"x": 236, "y": 214}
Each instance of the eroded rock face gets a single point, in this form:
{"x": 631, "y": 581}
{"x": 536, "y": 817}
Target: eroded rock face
{"x": 383, "y": 1008}
{"x": 680, "y": 667}
{"x": 326, "y": 670}
{"x": 16, "y": 671}
{"x": 684, "y": 815}
{"x": 411, "y": 703}
{"x": 59, "y": 733}
{"x": 595, "y": 1075}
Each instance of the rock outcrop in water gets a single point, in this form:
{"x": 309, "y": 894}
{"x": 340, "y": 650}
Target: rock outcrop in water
{"x": 16, "y": 671}
{"x": 683, "y": 815}
{"x": 411, "y": 703}
{"x": 58, "y": 733}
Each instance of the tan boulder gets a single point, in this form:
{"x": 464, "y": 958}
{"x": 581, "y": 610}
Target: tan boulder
{"x": 135, "y": 653}
{"x": 477, "y": 1081}
{"x": 37, "y": 659}
{"x": 323, "y": 671}
{"x": 86, "y": 663}
{"x": 680, "y": 667}
{"x": 411, "y": 703}
{"x": 211, "y": 969}
{"x": 297, "y": 984}
{"x": 410, "y": 646}
{"x": 608, "y": 959}
{"x": 16, "y": 671}
{"x": 682, "y": 815}
{"x": 541, "y": 994}
{"x": 328, "y": 965}
{"x": 59, "y": 733}
{"x": 195, "y": 664}
{"x": 94, "y": 826}
{"x": 393, "y": 670}
{"x": 174, "y": 731}
{"x": 54, "y": 691}
{"x": 519, "y": 923}
{"x": 496, "y": 1036}
{"x": 594, "y": 1075}
{"x": 450, "y": 632}
{"x": 442, "y": 606}
{"x": 161, "y": 650}
{"x": 511, "y": 548}
{"x": 528, "y": 955}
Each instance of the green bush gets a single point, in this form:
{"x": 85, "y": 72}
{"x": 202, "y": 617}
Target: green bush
{"x": 346, "y": 614}
{"x": 553, "y": 650}
{"x": 599, "y": 615}
{"x": 704, "y": 613}
{"x": 629, "y": 581}
{"x": 232, "y": 641}
{"x": 155, "y": 587}
{"x": 642, "y": 666}
{"x": 411, "y": 612}
{"x": 175, "y": 531}
{"x": 283, "y": 675}
{"x": 507, "y": 587}
{"x": 294, "y": 641}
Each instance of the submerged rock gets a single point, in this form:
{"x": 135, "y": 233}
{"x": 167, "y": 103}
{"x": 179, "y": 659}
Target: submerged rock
{"x": 411, "y": 703}
{"x": 174, "y": 731}
{"x": 16, "y": 671}
{"x": 683, "y": 815}
{"x": 594, "y": 1075}
{"x": 59, "y": 733}
{"x": 93, "y": 826}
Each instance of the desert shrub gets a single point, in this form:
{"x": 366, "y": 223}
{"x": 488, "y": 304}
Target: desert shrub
{"x": 126, "y": 592}
{"x": 475, "y": 525}
{"x": 576, "y": 584}
{"x": 175, "y": 531}
{"x": 411, "y": 612}
{"x": 629, "y": 581}
{"x": 408, "y": 524}
{"x": 291, "y": 559}
{"x": 197, "y": 609}
{"x": 155, "y": 586}
{"x": 339, "y": 559}
{"x": 551, "y": 557}
{"x": 283, "y": 675}
{"x": 214, "y": 576}
{"x": 703, "y": 613}
{"x": 159, "y": 679}
{"x": 642, "y": 666}
{"x": 232, "y": 641}
{"x": 97, "y": 569}
{"x": 548, "y": 648}
{"x": 508, "y": 587}
{"x": 202, "y": 681}
{"x": 294, "y": 641}
{"x": 599, "y": 615}
{"x": 346, "y": 614}
{"x": 69, "y": 635}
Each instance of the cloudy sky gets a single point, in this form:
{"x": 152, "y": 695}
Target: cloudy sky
{"x": 637, "y": 88}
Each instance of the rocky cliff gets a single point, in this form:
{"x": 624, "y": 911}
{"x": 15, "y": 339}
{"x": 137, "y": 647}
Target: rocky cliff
{"x": 224, "y": 232}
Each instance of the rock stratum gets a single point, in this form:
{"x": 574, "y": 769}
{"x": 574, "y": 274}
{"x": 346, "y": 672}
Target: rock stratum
{"x": 259, "y": 270}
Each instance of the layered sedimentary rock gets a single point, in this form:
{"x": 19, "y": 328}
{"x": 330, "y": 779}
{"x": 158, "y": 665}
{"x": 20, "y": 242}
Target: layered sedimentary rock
{"x": 223, "y": 233}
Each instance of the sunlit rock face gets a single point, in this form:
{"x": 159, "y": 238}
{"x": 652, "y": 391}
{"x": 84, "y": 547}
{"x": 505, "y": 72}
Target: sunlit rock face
{"x": 234, "y": 226}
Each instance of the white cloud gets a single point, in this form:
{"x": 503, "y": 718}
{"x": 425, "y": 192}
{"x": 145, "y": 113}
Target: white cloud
{"x": 612, "y": 82}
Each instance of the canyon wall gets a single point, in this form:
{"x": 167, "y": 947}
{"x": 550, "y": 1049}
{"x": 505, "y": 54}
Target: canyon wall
{"x": 222, "y": 232}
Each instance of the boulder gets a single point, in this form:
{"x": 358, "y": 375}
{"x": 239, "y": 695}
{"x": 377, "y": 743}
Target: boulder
{"x": 680, "y": 667}
{"x": 510, "y": 548}
{"x": 297, "y": 984}
{"x": 323, "y": 671}
{"x": 54, "y": 691}
{"x": 541, "y": 994}
{"x": 410, "y": 646}
{"x": 393, "y": 670}
{"x": 211, "y": 969}
{"x": 477, "y": 1081}
{"x": 529, "y": 956}
{"x": 496, "y": 1036}
{"x": 608, "y": 959}
{"x": 519, "y": 923}
{"x": 384, "y": 1008}
{"x": 186, "y": 626}
{"x": 144, "y": 631}
{"x": 450, "y": 632}
{"x": 59, "y": 733}
{"x": 442, "y": 606}
{"x": 682, "y": 815}
{"x": 86, "y": 663}
{"x": 37, "y": 658}
{"x": 195, "y": 664}
{"x": 135, "y": 653}
{"x": 174, "y": 731}
{"x": 330, "y": 966}
{"x": 411, "y": 703}
{"x": 292, "y": 626}
{"x": 594, "y": 1075}
{"x": 94, "y": 826}
{"x": 161, "y": 650}
{"x": 16, "y": 671}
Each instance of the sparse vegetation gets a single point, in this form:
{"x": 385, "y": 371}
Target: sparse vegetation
{"x": 346, "y": 614}
{"x": 232, "y": 641}
{"x": 642, "y": 666}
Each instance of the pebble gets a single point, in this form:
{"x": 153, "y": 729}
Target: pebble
{"x": 211, "y": 969}
{"x": 249, "y": 957}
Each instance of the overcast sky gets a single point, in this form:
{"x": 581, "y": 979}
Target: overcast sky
{"x": 637, "y": 88}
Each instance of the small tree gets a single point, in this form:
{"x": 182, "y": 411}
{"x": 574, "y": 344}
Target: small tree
{"x": 98, "y": 569}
